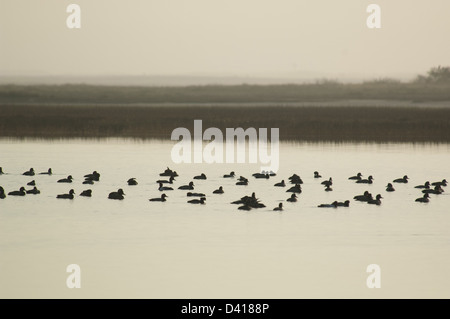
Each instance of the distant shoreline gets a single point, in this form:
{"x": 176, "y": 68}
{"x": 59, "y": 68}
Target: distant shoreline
{"x": 307, "y": 123}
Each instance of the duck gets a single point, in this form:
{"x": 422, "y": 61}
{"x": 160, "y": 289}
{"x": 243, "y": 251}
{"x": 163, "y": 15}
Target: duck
{"x": 437, "y": 190}
{"x": 317, "y": 175}
{"x": 48, "y": 172}
{"x": 295, "y": 189}
{"x": 295, "y": 179}
{"x": 280, "y": 184}
{"x": 190, "y": 186}
{"x": 197, "y": 201}
{"x": 66, "y": 180}
{"x": 328, "y": 188}
{"x": 363, "y": 198}
{"x": 33, "y": 191}
{"x": 159, "y": 199}
{"x": 245, "y": 199}
{"x": 292, "y": 199}
{"x": 169, "y": 172}
{"x": 117, "y": 195}
{"x": 132, "y": 181}
{"x": 30, "y": 172}
{"x": 344, "y": 204}
{"x": 442, "y": 183}
{"x": 201, "y": 176}
{"x": 231, "y": 175}
{"x": 376, "y": 201}
{"x": 424, "y": 199}
{"x": 328, "y": 182}
{"x": 219, "y": 190}
{"x": 21, "y": 192}
{"x": 390, "y": 188}
{"x": 95, "y": 176}
{"x": 332, "y": 205}
{"x": 357, "y": 177}
{"x": 2, "y": 193}
{"x": 164, "y": 188}
{"x": 86, "y": 193}
{"x": 424, "y": 186}
{"x": 279, "y": 207}
{"x": 369, "y": 180}
{"x": 67, "y": 196}
{"x": 164, "y": 181}
{"x": 189, "y": 194}
{"x": 243, "y": 182}
{"x": 261, "y": 175}
{"x": 32, "y": 183}
{"x": 404, "y": 180}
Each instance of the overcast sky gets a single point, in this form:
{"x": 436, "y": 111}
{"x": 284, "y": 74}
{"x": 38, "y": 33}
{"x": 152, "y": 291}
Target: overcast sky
{"x": 224, "y": 37}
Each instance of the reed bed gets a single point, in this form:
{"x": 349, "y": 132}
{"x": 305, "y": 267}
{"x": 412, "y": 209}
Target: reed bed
{"x": 309, "y": 123}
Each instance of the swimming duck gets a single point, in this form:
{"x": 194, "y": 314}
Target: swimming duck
{"x": 329, "y": 182}
{"x": 132, "y": 181}
{"x": 48, "y": 172}
{"x": 424, "y": 199}
{"x": 67, "y": 196}
{"x": 219, "y": 191}
{"x": 317, "y": 175}
{"x": 280, "y": 206}
{"x": 197, "y": 201}
{"x": 245, "y": 199}
{"x": 169, "y": 172}
{"x": 357, "y": 177}
{"x": 424, "y": 186}
{"x": 231, "y": 175}
{"x": 328, "y": 188}
{"x": 363, "y": 198}
{"x": 343, "y": 204}
{"x": 86, "y": 193}
{"x": 261, "y": 175}
{"x": 280, "y": 184}
{"x": 201, "y": 176}
{"x": 295, "y": 189}
{"x": 66, "y": 180}
{"x": 164, "y": 181}
{"x": 376, "y": 201}
{"x": 29, "y": 173}
{"x": 117, "y": 195}
{"x": 20, "y": 192}
{"x": 190, "y": 186}
{"x": 332, "y": 205}
{"x": 95, "y": 176}
{"x": 2, "y": 193}
{"x": 159, "y": 199}
{"x": 189, "y": 194}
{"x": 369, "y": 180}
{"x": 390, "y": 188}
{"x": 33, "y": 191}
{"x": 295, "y": 179}
{"x": 292, "y": 199}
{"x": 164, "y": 188}
{"x": 242, "y": 181}
{"x": 32, "y": 183}
{"x": 442, "y": 183}
{"x": 404, "y": 179}
{"x": 437, "y": 190}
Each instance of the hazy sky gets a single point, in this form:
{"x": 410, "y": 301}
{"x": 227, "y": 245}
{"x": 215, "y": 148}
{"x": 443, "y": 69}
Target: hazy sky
{"x": 223, "y": 37}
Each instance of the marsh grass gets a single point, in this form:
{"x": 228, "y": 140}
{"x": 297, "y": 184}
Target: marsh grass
{"x": 314, "y": 124}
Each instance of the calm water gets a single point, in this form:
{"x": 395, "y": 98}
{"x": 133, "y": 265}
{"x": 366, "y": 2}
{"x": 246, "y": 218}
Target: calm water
{"x": 138, "y": 249}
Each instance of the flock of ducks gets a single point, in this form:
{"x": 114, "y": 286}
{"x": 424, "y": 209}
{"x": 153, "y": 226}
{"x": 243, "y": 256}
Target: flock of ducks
{"x": 246, "y": 202}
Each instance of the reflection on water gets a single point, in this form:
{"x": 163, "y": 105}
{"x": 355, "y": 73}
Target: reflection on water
{"x": 136, "y": 248}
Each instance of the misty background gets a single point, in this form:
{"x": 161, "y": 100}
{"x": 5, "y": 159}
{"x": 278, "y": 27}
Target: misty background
{"x": 231, "y": 41}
